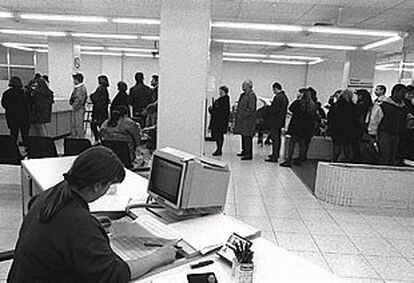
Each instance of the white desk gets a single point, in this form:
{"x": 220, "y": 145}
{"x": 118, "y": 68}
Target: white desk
{"x": 272, "y": 263}
{"x": 41, "y": 174}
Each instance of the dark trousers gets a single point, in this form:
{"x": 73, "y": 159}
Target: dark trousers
{"x": 247, "y": 146}
{"x": 275, "y": 135}
{"x": 303, "y": 148}
{"x": 338, "y": 148}
{"x": 14, "y": 132}
{"x": 219, "y": 138}
{"x": 95, "y": 126}
{"x": 388, "y": 148}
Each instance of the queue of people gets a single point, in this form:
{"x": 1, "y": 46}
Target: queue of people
{"x": 28, "y": 108}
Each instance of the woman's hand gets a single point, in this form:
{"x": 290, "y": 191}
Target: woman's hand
{"x": 166, "y": 254}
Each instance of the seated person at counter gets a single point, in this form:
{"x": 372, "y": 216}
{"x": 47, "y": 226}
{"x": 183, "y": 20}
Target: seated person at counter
{"x": 60, "y": 241}
{"x": 121, "y": 128}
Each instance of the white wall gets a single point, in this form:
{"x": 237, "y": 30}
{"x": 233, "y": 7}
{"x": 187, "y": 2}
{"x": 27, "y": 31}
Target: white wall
{"x": 41, "y": 64}
{"x": 91, "y": 68}
{"x": 326, "y": 78}
{"x": 387, "y": 78}
{"x": 263, "y": 76}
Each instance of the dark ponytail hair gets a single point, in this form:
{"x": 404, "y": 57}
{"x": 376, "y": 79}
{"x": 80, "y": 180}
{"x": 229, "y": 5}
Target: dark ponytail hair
{"x": 117, "y": 113}
{"x": 96, "y": 165}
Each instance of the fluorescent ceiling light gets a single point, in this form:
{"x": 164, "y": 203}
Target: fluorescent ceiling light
{"x": 294, "y": 57}
{"x": 104, "y": 35}
{"x": 136, "y": 21}
{"x": 315, "y": 62}
{"x": 248, "y": 60}
{"x": 16, "y": 47}
{"x": 293, "y": 44}
{"x": 256, "y": 26}
{"x": 244, "y": 55}
{"x": 394, "y": 69}
{"x": 381, "y": 42}
{"x": 249, "y": 42}
{"x": 284, "y": 62}
{"x": 320, "y": 46}
{"x": 38, "y": 45}
{"x": 132, "y": 49}
{"x": 33, "y": 32}
{"x": 42, "y": 50}
{"x": 6, "y": 15}
{"x": 386, "y": 65}
{"x": 66, "y": 18}
{"x": 150, "y": 37}
{"x": 408, "y": 63}
{"x": 91, "y": 47}
{"x": 101, "y": 53}
{"x": 350, "y": 31}
{"x": 140, "y": 55}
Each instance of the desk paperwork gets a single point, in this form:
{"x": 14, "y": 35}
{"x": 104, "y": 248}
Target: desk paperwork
{"x": 207, "y": 233}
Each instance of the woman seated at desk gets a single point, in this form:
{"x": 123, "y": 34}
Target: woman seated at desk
{"x": 121, "y": 128}
{"x": 60, "y": 241}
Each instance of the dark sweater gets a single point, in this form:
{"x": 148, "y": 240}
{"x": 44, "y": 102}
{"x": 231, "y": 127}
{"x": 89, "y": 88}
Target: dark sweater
{"x": 71, "y": 247}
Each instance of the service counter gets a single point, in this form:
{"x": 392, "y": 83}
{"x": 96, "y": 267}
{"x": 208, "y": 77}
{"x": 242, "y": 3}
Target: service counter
{"x": 60, "y": 125}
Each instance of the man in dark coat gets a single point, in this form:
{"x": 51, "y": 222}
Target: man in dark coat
{"x": 246, "y": 119}
{"x": 154, "y": 89}
{"x": 121, "y": 98}
{"x": 41, "y": 100}
{"x": 220, "y": 112}
{"x": 100, "y": 100}
{"x": 277, "y": 118}
{"x": 140, "y": 97}
{"x": 15, "y": 102}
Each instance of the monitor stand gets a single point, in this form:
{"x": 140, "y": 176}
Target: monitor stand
{"x": 168, "y": 216}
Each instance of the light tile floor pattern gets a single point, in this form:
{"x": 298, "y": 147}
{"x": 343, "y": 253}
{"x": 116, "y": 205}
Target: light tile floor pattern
{"x": 358, "y": 244}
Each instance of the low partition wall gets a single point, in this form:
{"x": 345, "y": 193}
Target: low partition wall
{"x": 365, "y": 185}
{"x": 59, "y": 126}
{"x": 320, "y": 148}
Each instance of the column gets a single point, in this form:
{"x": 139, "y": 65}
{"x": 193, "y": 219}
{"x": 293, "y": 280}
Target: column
{"x": 359, "y": 69}
{"x": 214, "y": 79}
{"x": 183, "y": 70}
{"x": 61, "y": 65}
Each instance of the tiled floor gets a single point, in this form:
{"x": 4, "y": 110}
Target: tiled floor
{"x": 358, "y": 244}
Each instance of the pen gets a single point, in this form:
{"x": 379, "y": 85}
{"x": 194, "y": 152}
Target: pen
{"x": 201, "y": 264}
{"x": 159, "y": 245}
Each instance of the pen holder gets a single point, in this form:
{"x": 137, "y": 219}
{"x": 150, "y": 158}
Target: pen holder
{"x": 244, "y": 272}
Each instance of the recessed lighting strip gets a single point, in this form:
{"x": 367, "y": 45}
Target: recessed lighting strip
{"x": 381, "y": 42}
{"x": 64, "y": 18}
{"x": 292, "y": 44}
{"x": 33, "y": 32}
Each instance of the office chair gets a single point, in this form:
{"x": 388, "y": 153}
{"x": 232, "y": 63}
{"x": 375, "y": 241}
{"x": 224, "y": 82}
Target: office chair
{"x": 9, "y": 152}
{"x": 75, "y": 146}
{"x": 121, "y": 149}
{"x": 40, "y": 147}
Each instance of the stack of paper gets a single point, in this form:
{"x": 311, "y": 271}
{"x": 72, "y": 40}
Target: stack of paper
{"x": 210, "y": 232}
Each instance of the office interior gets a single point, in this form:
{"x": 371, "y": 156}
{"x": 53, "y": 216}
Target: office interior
{"x": 195, "y": 46}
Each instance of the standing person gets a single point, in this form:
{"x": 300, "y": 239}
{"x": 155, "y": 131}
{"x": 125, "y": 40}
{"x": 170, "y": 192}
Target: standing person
{"x": 41, "y": 100}
{"x": 245, "y": 124}
{"x": 100, "y": 100}
{"x": 321, "y": 118}
{"x": 386, "y": 125}
{"x": 343, "y": 125}
{"x": 140, "y": 97}
{"x": 364, "y": 106}
{"x": 379, "y": 92}
{"x": 154, "y": 89}
{"x": 277, "y": 118}
{"x": 219, "y": 122}
{"x": 61, "y": 241}
{"x": 77, "y": 101}
{"x": 16, "y": 104}
{"x": 301, "y": 126}
{"x": 121, "y": 98}
{"x": 407, "y": 137}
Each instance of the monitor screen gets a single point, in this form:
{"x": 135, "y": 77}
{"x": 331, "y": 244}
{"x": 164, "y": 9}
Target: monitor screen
{"x": 165, "y": 179}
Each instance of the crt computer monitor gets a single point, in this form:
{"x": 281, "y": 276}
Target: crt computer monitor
{"x": 185, "y": 184}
